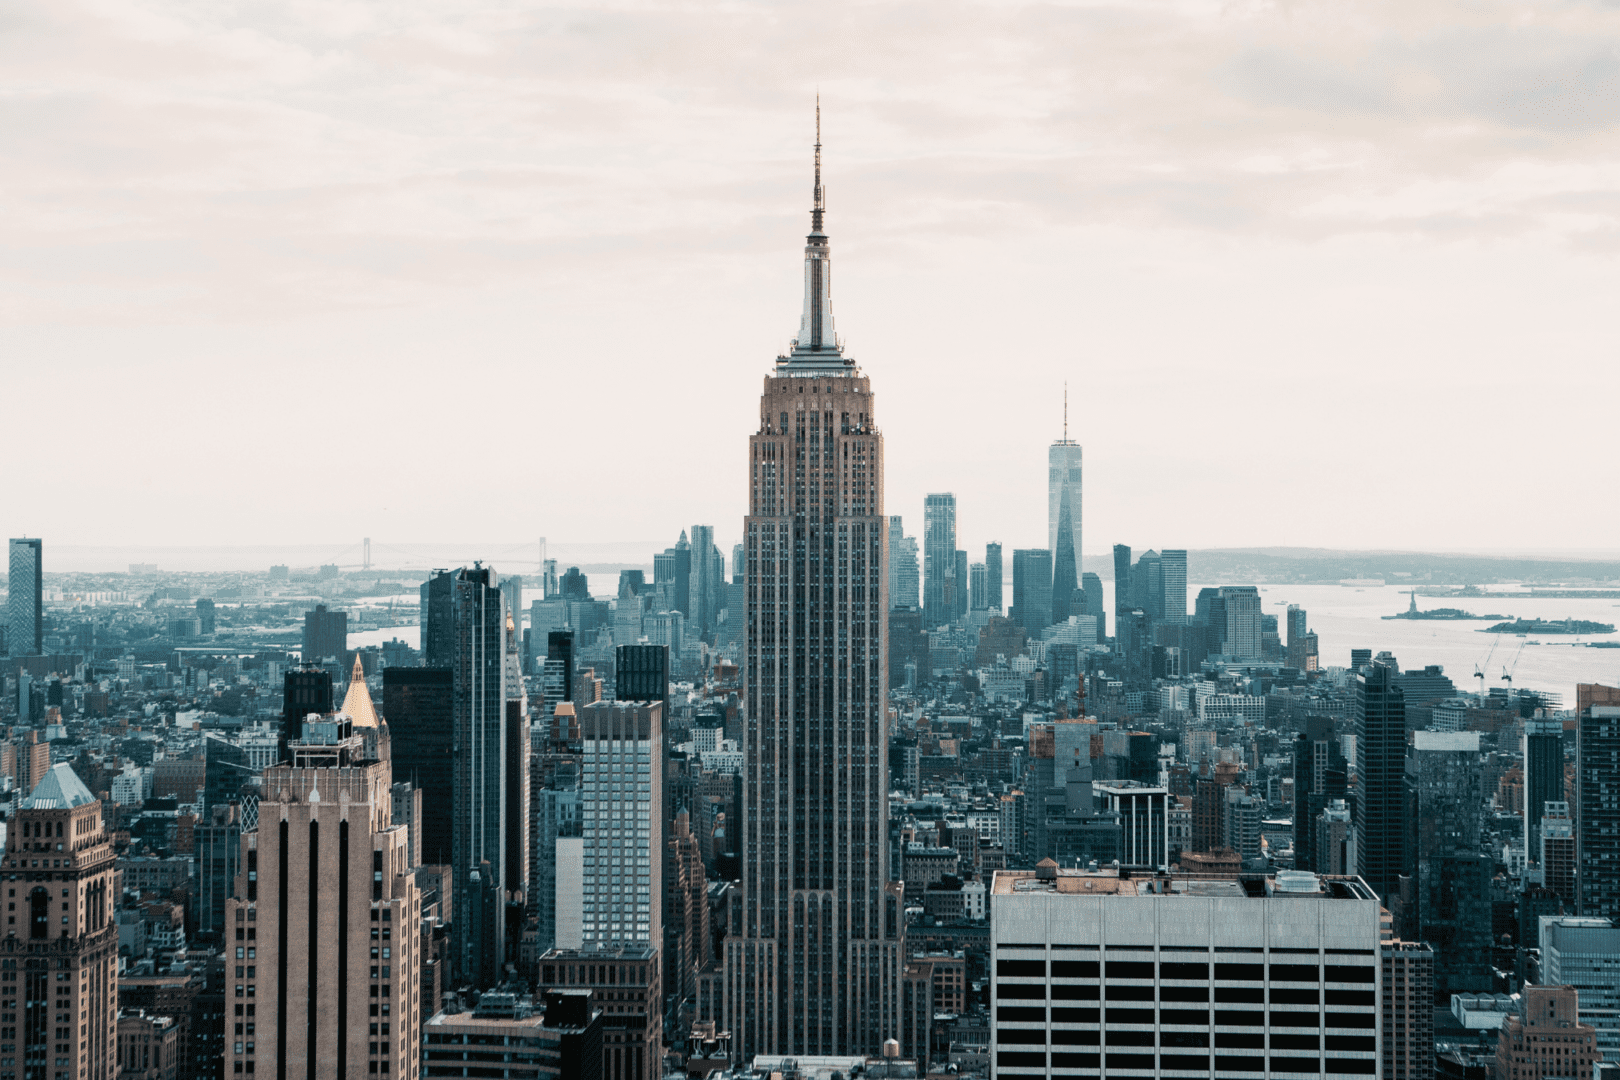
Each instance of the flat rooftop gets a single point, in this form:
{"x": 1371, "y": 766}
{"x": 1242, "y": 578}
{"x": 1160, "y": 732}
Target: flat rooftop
{"x": 1289, "y": 884}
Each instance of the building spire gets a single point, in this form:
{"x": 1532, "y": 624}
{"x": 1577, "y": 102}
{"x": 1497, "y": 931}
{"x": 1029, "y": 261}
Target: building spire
{"x": 816, "y": 334}
{"x": 819, "y": 204}
{"x": 1065, "y": 410}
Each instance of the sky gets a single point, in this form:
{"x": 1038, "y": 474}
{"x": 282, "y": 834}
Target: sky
{"x": 1314, "y": 274}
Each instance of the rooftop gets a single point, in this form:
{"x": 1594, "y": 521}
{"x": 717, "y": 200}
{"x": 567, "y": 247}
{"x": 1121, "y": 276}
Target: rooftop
{"x": 1285, "y": 884}
{"x": 60, "y": 789}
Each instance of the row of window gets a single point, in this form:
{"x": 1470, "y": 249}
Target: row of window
{"x": 1167, "y": 969}
{"x": 1237, "y": 1040}
{"x": 1192, "y": 1017}
{"x": 1237, "y": 995}
{"x": 1224, "y": 1063}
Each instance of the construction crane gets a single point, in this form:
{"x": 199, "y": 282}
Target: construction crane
{"x": 1507, "y": 673}
{"x": 1479, "y": 669}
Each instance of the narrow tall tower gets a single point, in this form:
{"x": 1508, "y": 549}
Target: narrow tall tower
{"x": 813, "y": 959}
{"x": 61, "y": 951}
{"x": 1063, "y": 519}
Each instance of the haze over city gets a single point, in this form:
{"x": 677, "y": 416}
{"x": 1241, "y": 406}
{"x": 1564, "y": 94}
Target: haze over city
{"x": 1277, "y": 252}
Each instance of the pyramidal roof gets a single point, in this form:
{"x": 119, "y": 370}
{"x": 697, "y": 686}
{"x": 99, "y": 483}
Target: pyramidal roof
{"x": 60, "y": 789}
{"x": 357, "y": 702}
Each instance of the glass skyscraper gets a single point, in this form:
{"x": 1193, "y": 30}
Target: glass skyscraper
{"x": 814, "y": 952}
{"x": 25, "y": 604}
{"x": 1063, "y": 522}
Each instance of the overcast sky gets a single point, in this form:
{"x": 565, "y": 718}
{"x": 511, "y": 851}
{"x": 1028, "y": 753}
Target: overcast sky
{"x": 1323, "y": 274}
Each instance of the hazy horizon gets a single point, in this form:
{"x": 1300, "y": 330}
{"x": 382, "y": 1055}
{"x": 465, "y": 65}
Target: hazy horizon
{"x": 1311, "y": 273}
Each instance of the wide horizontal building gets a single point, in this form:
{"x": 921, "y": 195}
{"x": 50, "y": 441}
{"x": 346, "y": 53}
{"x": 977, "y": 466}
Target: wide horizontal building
{"x": 1103, "y": 974}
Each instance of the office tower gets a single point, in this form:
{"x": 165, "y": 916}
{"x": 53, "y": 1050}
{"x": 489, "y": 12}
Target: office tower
{"x": 686, "y": 913}
{"x": 1408, "y": 1027}
{"x": 529, "y": 1047}
{"x": 1451, "y": 879}
{"x": 206, "y": 618}
{"x": 1543, "y": 748}
{"x": 438, "y": 619}
{"x": 1380, "y": 770}
{"x": 1240, "y": 823}
{"x": 1295, "y": 629}
{"x": 978, "y": 590}
{"x": 1584, "y": 952}
{"x": 1096, "y": 971}
{"x": 65, "y": 1006}
{"x": 904, "y": 580}
{"x": 577, "y": 586}
{"x": 1209, "y": 613}
{"x": 1321, "y": 776}
{"x": 1243, "y": 618}
{"x": 1173, "y": 585}
{"x": 813, "y": 956}
{"x": 621, "y": 920}
{"x": 1556, "y": 854}
{"x": 1032, "y": 589}
{"x": 1147, "y": 585}
{"x": 672, "y": 569}
{"x": 328, "y": 918}
{"x": 1143, "y": 810}
{"x": 218, "y": 844}
{"x": 1092, "y": 586}
{"x": 25, "y": 600}
{"x": 623, "y": 822}
{"x": 326, "y": 635}
{"x": 1124, "y": 593}
{"x": 1332, "y": 845}
{"x": 705, "y": 580}
{"x": 490, "y": 789}
{"x": 1597, "y": 778}
{"x": 1063, "y": 459}
{"x": 557, "y": 864}
{"x": 1546, "y": 1037}
{"x": 993, "y": 580}
{"x": 548, "y": 582}
{"x": 306, "y": 689}
{"x": 959, "y": 575}
{"x": 641, "y": 673}
{"x": 419, "y": 704}
{"x": 512, "y": 589}
{"x": 939, "y": 559}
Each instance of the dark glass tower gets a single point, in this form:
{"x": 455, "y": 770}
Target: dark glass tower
{"x": 992, "y": 577}
{"x": 490, "y": 787}
{"x": 326, "y": 635}
{"x": 641, "y": 673}
{"x": 1380, "y": 769}
{"x": 1032, "y": 589}
{"x": 25, "y": 603}
{"x": 1597, "y": 783}
{"x": 814, "y": 952}
{"x": 1543, "y": 778}
{"x": 418, "y": 704}
{"x": 1320, "y": 776}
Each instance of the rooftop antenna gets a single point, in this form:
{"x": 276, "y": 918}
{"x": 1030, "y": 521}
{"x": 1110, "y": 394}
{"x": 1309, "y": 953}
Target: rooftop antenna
{"x": 1065, "y": 410}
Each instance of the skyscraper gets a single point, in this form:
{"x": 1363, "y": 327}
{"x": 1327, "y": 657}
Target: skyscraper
{"x": 65, "y": 996}
{"x": 25, "y": 602}
{"x": 904, "y": 579}
{"x": 939, "y": 559}
{"x": 978, "y": 594}
{"x": 1598, "y": 775}
{"x": 1124, "y": 595}
{"x": 1243, "y": 612}
{"x": 1032, "y": 589}
{"x": 1320, "y": 776}
{"x": 1063, "y": 518}
{"x": 1173, "y": 587}
{"x": 708, "y": 570}
{"x": 326, "y": 635}
{"x": 1445, "y": 823}
{"x": 1295, "y": 630}
{"x": 814, "y": 953}
{"x": 1543, "y": 777}
{"x": 489, "y": 813}
{"x": 993, "y": 580}
{"x": 1380, "y": 769}
{"x": 418, "y": 704}
{"x": 1092, "y": 586}
{"x": 960, "y": 577}
{"x": 327, "y": 911}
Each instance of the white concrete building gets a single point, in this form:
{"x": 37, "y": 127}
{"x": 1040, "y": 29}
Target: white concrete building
{"x": 1101, "y": 975}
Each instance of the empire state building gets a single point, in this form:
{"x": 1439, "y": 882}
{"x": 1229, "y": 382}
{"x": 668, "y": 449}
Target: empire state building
{"x": 813, "y": 959}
